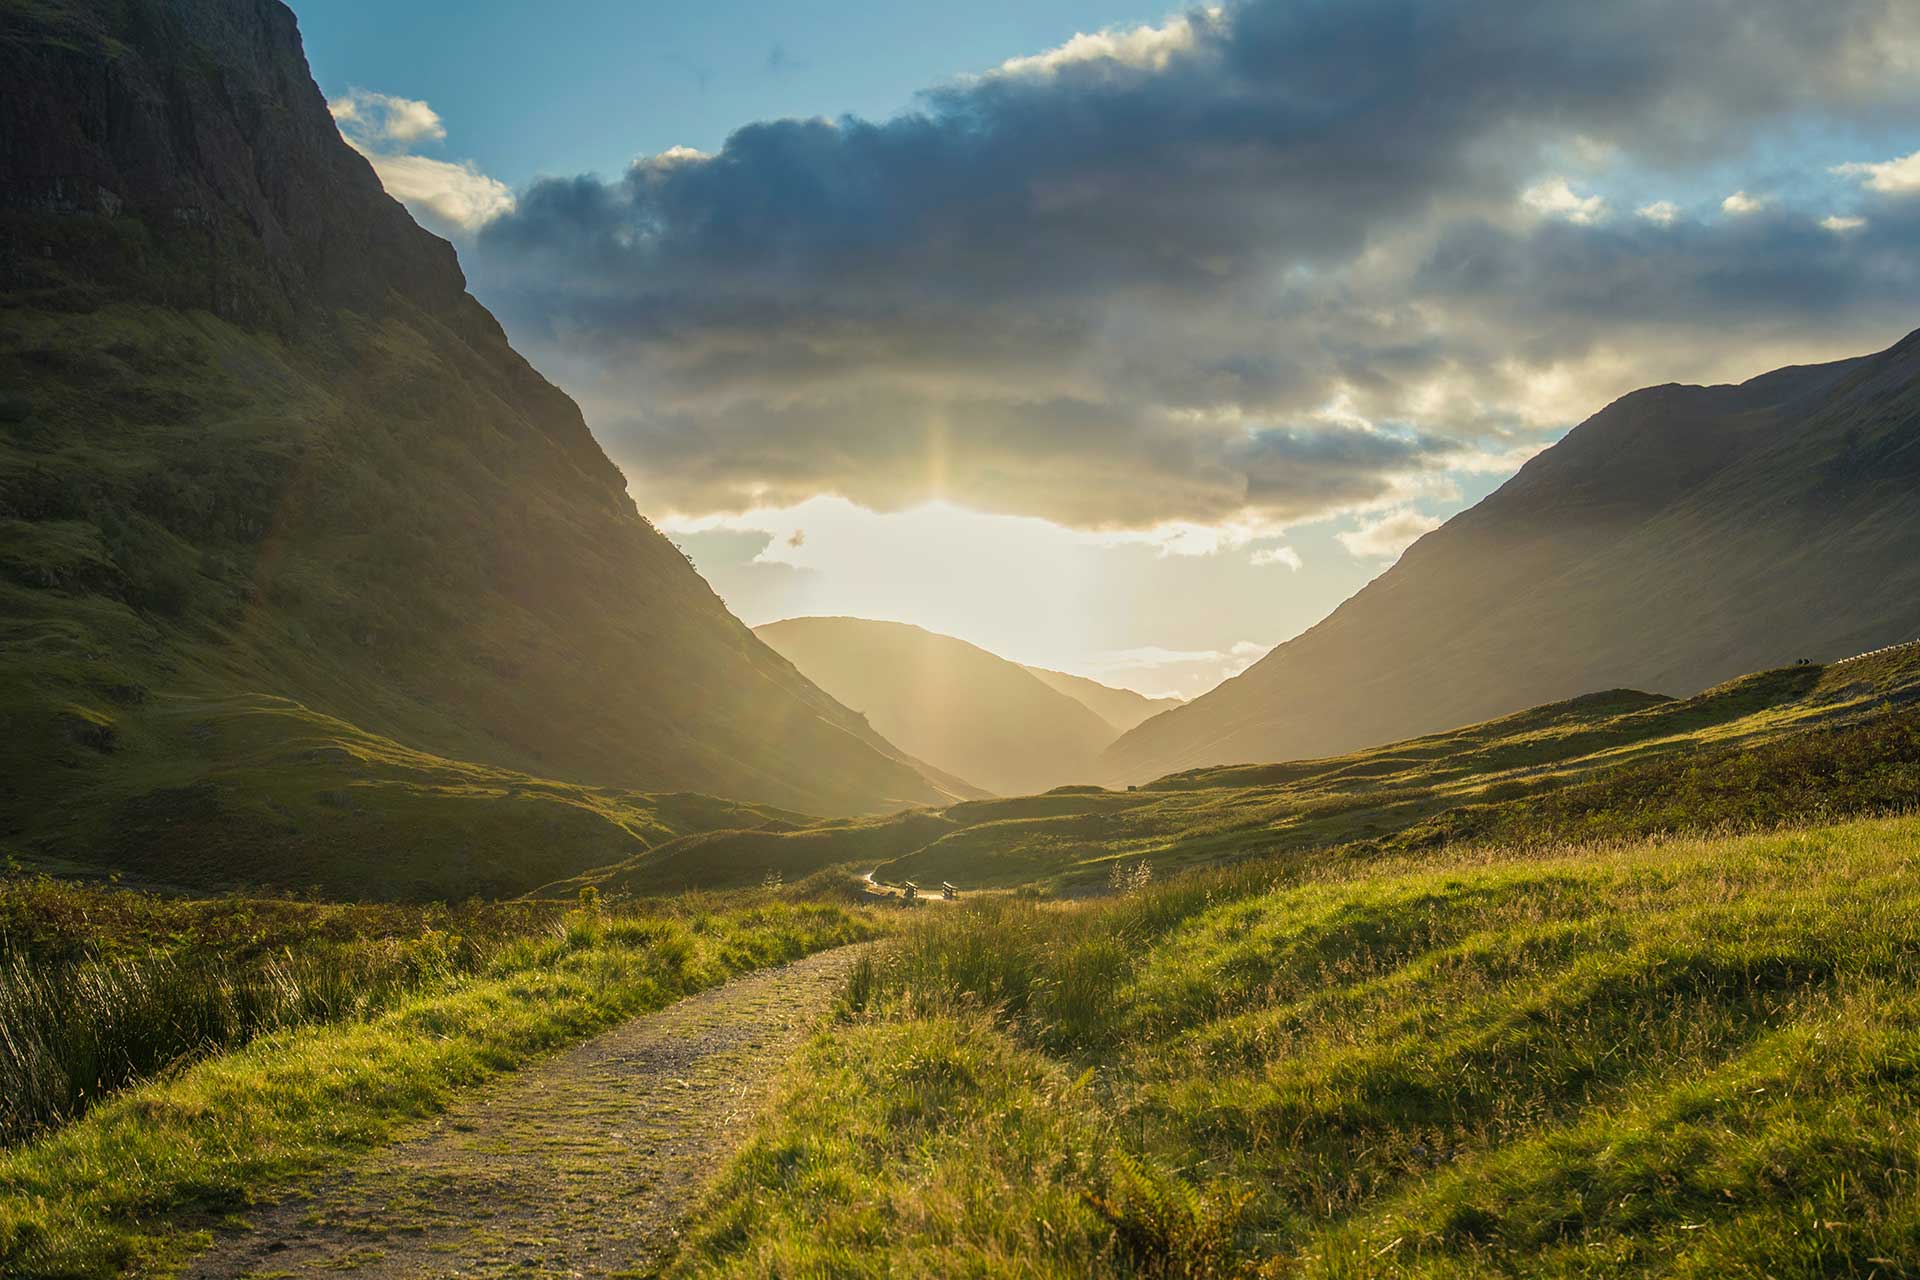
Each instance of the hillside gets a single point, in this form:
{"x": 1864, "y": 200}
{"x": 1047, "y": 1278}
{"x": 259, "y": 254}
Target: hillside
{"x": 1765, "y": 749}
{"x": 1679, "y": 537}
{"x": 952, "y": 704}
{"x": 273, "y": 485}
{"x": 1121, "y": 708}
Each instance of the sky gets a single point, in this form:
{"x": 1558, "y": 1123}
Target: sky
{"x": 1131, "y": 341}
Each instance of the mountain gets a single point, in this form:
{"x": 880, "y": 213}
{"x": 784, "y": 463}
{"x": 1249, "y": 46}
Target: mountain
{"x": 300, "y": 561}
{"x": 1121, "y": 708}
{"x": 1677, "y": 538}
{"x": 956, "y": 706}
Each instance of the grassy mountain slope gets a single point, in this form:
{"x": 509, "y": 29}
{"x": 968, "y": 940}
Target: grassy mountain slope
{"x": 1681, "y": 536}
{"x": 260, "y": 449}
{"x": 1757, "y": 751}
{"x": 1121, "y": 708}
{"x": 947, "y": 702}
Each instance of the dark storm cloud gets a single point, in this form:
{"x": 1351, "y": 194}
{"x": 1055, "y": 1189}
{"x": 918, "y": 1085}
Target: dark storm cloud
{"x": 1782, "y": 261}
{"x": 1094, "y": 284}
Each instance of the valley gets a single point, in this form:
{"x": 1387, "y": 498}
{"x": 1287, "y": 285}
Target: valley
{"x": 982, "y": 719}
{"x": 1606, "y": 767}
{"x": 411, "y": 864}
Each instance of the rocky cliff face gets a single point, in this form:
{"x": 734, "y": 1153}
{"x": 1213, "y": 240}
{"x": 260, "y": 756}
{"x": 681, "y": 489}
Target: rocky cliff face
{"x": 198, "y": 119}
{"x": 1680, "y": 537}
{"x": 194, "y": 130}
{"x": 259, "y": 447}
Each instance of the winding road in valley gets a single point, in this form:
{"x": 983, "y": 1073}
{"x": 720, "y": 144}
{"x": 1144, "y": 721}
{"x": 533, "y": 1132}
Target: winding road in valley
{"x": 582, "y": 1165}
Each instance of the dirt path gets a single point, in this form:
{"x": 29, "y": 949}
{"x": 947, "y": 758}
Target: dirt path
{"x": 579, "y": 1166}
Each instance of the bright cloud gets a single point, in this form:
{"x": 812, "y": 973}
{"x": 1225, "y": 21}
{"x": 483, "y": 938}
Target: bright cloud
{"x": 446, "y": 194}
{"x": 456, "y": 193}
{"x": 1285, "y": 556}
{"x": 1660, "y": 212}
{"x": 1740, "y": 204}
{"x": 1899, "y": 177}
{"x": 1390, "y": 535}
{"x": 1556, "y": 198}
{"x": 1840, "y": 224}
{"x": 677, "y": 155}
{"x": 1144, "y": 47}
{"x": 380, "y": 119}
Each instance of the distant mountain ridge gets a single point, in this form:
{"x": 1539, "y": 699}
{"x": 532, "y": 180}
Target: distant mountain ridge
{"x": 1121, "y": 708}
{"x": 1679, "y": 537}
{"x": 999, "y": 725}
{"x": 275, "y": 489}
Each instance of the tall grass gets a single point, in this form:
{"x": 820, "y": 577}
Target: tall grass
{"x": 101, "y": 988}
{"x": 74, "y": 1032}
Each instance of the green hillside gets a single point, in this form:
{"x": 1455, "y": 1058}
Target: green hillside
{"x": 1678, "y": 538}
{"x": 274, "y": 487}
{"x": 1769, "y": 748}
{"x": 956, "y": 706}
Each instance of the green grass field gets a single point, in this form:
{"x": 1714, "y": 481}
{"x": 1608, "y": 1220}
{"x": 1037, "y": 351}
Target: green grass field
{"x": 1692, "y": 1057}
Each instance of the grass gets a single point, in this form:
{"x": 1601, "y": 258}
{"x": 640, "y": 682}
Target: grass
{"x": 268, "y": 792}
{"x": 1864, "y": 767}
{"x": 1692, "y": 1057}
{"x": 142, "y": 1176}
{"x": 101, "y": 989}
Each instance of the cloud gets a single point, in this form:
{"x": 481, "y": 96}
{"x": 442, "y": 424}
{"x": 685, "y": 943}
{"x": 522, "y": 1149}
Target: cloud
{"x": 1256, "y": 265}
{"x": 446, "y": 195}
{"x": 1740, "y": 204}
{"x": 1554, "y": 198}
{"x": 1285, "y": 556}
{"x": 1390, "y": 535}
{"x": 1191, "y": 485}
{"x": 1840, "y": 224}
{"x": 1661, "y": 212}
{"x": 1142, "y": 47}
{"x": 454, "y": 193}
{"x": 379, "y": 120}
{"x": 1893, "y": 177}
